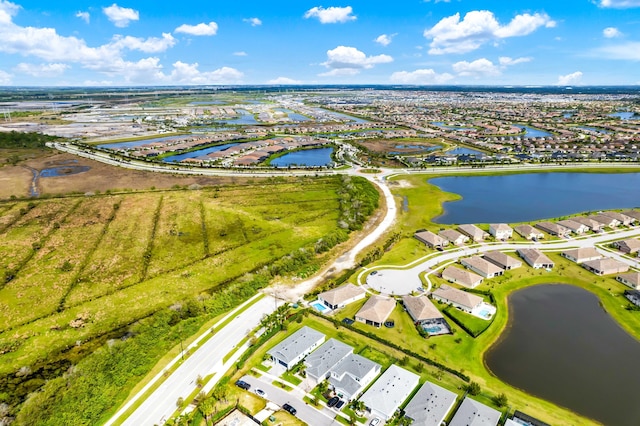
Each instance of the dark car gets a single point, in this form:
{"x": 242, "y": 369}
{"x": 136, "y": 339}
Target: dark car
{"x": 333, "y": 401}
{"x": 339, "y": 404}
{"x": 288, "y": 408}
{"x": 243, "y": 385}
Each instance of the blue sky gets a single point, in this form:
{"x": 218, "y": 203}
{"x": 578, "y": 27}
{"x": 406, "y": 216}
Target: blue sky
{"x": 474, "y": 42}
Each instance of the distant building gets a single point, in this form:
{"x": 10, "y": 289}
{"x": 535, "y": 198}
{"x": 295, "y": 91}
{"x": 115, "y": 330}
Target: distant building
{"x": 294, "y": 348}
{"x": 342, "y": 296}
{"x": 474, "y": 413}
{"x": 454, "y": 237}
{"x": 430, "y": 405}
{"x": 593, "y": 225}
{"x": 473, "y": 232}
{"x": 462, "y": 300}
{"x": 553, "y": 229}
{"x": 529, "y": 232}
{"x": 501, "y": 231}
{"x": 575, "y": 227}
{"x": 462, "y": 277}
{"x": 376, "y": 310}
{"x": 622, "y": 218}
{"x": 605, "y": 221}
{"x": 535, "y": 258}
{"x": 431, "y": 240}
{"x": 629, "y": 246}
{"x": 388, "y": 393}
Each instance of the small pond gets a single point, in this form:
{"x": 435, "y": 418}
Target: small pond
{"x": 625, "y": 115}
{"x": 63, "y": 171}
{"x": 530, "y": 132}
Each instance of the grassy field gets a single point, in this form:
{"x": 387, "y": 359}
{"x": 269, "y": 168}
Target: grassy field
{"x": 78, "y": 264}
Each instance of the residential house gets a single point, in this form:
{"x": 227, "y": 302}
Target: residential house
{"x": 431, "y": 240}
{"x": 376, "y": 310}
{"x": 633, "y": 214}
{"x": 535, "y": 258}
{"x": 421, "y": 309}
{"x": 430, "y": 405}
{"x": 631, "y": 279}
{"x": 522, "y": 419}
{"x": 529, "y": 232}
{"x": 473, "y": 232}
{"x": 501, "y": 231}
{"x": 462, "y": 300}
{"x": 474, "y": 413}
{"x": 341, "y": 296}
{"x": 502, "y": 260}
{"x": 462, "y": 277}
{"x": 575, "y": 227}
{"x": 388, "y": 393}
{"x": 454, "y": 237}
{"x": 553, "y": 229}
{"x": 593, "y": 225}
{"x": 294, "y": 348}
{"x": 481, "y": 266}
{"x": 629, "y": 246}
{"x": 622, "y": 218}
{"x": 606, "y": 266}
{"x": 351, "y": 375}
{"x": 583, "y": 254}
{"x": 319, "y": 362}
{"x": 605, "y": 221}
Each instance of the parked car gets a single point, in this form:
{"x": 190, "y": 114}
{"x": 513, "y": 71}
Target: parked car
{"x": 288, "y": 408}
{"x": 339, "y": 404}
{"x": 261, "y": 393}
{"x": 333, "y": 401}
{"x": 374, "y": 421}
{"x": 243, "y": 385}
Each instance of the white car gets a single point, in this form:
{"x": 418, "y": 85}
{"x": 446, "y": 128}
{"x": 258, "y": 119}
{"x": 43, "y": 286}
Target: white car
{"x": 261, "y": 393}
{"x": 374, "y": 421}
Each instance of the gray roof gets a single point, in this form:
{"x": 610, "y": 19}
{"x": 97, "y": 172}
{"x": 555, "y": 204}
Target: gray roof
{"x": 525, "y": 230}
{"x": 320, "y": 361}
{"x": 430, "y": 238}
{"x": 451, "y": 235}
{"x": 377, "y": 309}
{"x": 606, "y": 266}
{"x": 390, "y": 390}
{"x": 338, "y": 295}
{"x": 632, "y": 278}
{"x": 350, "y": 368}
{"x": 481, "y": 265}
{"x": 473, "y": 413}
{"x": 460, "y": 297}
{"x": 430, "y": 405}
{"x": 420, "y": 308}
{"x": 473, "y": 232}
{"x": 582, "y": 253}
{"x": 299, "y": 342}
{"x": 502, "y": 260}
{"x": 461, "y": 276}
{"x": 534, "y": 256}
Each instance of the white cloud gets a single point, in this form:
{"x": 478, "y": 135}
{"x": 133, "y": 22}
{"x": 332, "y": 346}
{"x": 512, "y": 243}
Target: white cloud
{"x": 5, "y": 78}
{"x": 340, "y": 72}
{"x": 506, "y": 61}
{"x": 422, "y": 76}
{"x": 620, "y": 4}
{"x": 7, "y": 11}
{"x": 120, "y": 16}
{"x": 183, "y": 73}
{"x": 629, "y": 51}
{"x": 201, "y": 29}
{"x": 452, "y": 35}
{"x": 85, "y": 16}
{"x": 384, "y": 39}
{"x": 284, "y": 80}
{"x": 479, "y": 68}
{"x": 331, "y": 15}
{"x": 611, "y": 32}
{"x": 573, "y": 78}
{"x": 255, "y": 22}
{"x": 149, "y": 45}
{"x": 240, "y": 53}
{"x": 41, "y": 70}
{"x": 344, "y": 60}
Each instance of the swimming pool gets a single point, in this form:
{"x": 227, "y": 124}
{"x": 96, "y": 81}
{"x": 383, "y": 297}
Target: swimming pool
{"x": 320, "y": 307}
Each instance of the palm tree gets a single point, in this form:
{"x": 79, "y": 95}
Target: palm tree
{"x": 207, "y": 408}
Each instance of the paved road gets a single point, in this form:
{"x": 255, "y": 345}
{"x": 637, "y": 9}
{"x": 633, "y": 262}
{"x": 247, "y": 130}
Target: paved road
{"x": 305, "y": 412}
{"x": 161, "y": 404}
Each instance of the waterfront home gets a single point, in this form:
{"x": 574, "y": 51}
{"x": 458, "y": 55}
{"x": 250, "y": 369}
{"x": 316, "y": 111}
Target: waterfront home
{"x": 553, "y": 229}
{"x": 535, "y": 258}
{"x": 341, "y": 296}
{"x": 431, "y": 240}
{"x": 629, "y": 246}
{"x": 473, "y": 232}
{"x": 294, "y": 348}
{"x": 606, "y": 266}
{"x": 593, "y": 225}
{"x": 462, "y": 300}
{"x": 632, "y": 279}
{"x": 430, "y": 405}
{"x": 623, "y": 219}
{"x": 472, "y": 413}
{"x": 583, "y": 254}
{"x": 633, "y": 214}
{"x": 529, "y": 232}
{"x": 388, "y": 393}
{"x": 500, "y": 231}
{"x": 376, "y": 310}
{"x": 351, "y": 375}
{"x": 522, "y": 419}
{"x": 421, "y": 309}
{"x": 502, "y": 260}
{"x": 633, "y": 296}
{"x": 575, "y": 227}
{"x": 454, "y": 237}
{"x": 319, "y": 362}
{"x": 605, "y": 221}
{"x": 462, "y": 277}
{"x": 481, "y": 266}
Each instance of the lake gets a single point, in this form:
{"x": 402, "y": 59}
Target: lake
{"x": 562, "y": 346}
{"x": 316, "y": 157}
{"x": 463, "y": 151}
{"x": 293, "y": 115}
{"x": 245, "y": 118}
{"x": 201, "y": 152}
{"x": 594, "y": 129}
{"x": 444, "y": 126}
{"x": 533, "y": 196}
{"x": 625, "y": 115}
{"x": 530, "y": 132}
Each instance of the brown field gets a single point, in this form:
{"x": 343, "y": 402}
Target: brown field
{"x": 14, "y": 180}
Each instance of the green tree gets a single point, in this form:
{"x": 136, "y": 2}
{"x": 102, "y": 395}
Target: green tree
{"x": 501, "y": 400}
{"x": 473, "y": 388}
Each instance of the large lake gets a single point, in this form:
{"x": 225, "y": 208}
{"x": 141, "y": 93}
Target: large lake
{"x": 309, "y": 157}
{"x": 561, "y": 345}
{"x": 532, "y": 196}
